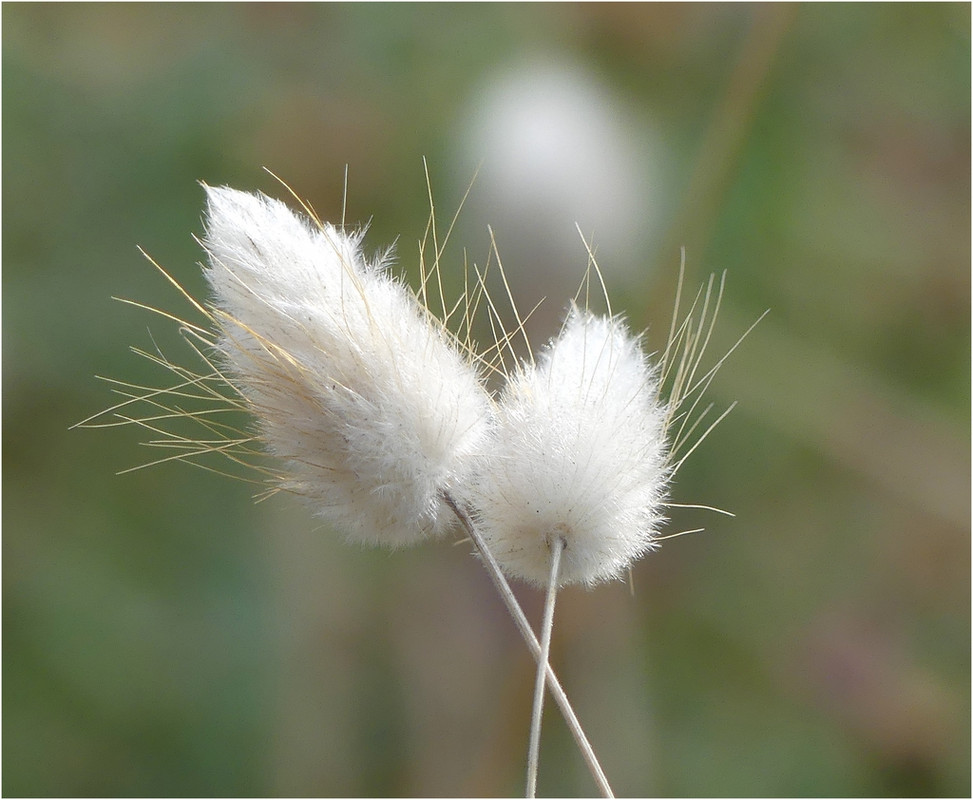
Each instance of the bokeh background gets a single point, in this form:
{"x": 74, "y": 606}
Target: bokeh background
{"x": 163, "y": 635}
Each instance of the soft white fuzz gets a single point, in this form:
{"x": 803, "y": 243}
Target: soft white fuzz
{"x": 364, "y": 397}
{"x": 579, "y": 454}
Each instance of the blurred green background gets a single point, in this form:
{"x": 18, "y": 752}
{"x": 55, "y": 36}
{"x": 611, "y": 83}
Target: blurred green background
{"x": 163, "y": 635}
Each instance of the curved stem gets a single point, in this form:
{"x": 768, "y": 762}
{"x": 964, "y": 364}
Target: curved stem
{"x": 534, "y": 748}
{"x": 517, "y": 614}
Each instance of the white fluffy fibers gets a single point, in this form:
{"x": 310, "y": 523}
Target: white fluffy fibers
{"x": 578, "y": 454}
{"x": 366, "y": 400}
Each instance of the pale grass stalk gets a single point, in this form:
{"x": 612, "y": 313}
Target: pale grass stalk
{"x": 520, "y": 620}
{"x": 534, "y": 746}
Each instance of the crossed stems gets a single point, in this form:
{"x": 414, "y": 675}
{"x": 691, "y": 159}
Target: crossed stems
{"x": 507, "y": 595}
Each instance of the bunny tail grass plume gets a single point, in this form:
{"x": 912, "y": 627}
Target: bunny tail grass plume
{"x": 578, "y": 455}
{"x": 363, "y": 396}
{"x": 572, "y": 490}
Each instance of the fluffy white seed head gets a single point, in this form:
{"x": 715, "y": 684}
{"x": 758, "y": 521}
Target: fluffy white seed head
{"x": 578, "y": 453}
{"x": 365, "y": 398}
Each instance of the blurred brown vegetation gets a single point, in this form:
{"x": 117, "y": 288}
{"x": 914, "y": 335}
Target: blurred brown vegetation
{"x": 164, "y": 636}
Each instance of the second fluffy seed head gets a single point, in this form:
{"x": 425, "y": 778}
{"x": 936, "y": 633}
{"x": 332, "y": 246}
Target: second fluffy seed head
{"x": 578, "y": 453}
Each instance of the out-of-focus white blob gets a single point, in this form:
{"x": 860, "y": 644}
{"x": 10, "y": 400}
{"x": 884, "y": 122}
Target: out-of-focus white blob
{"x": 557, "y": 148}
